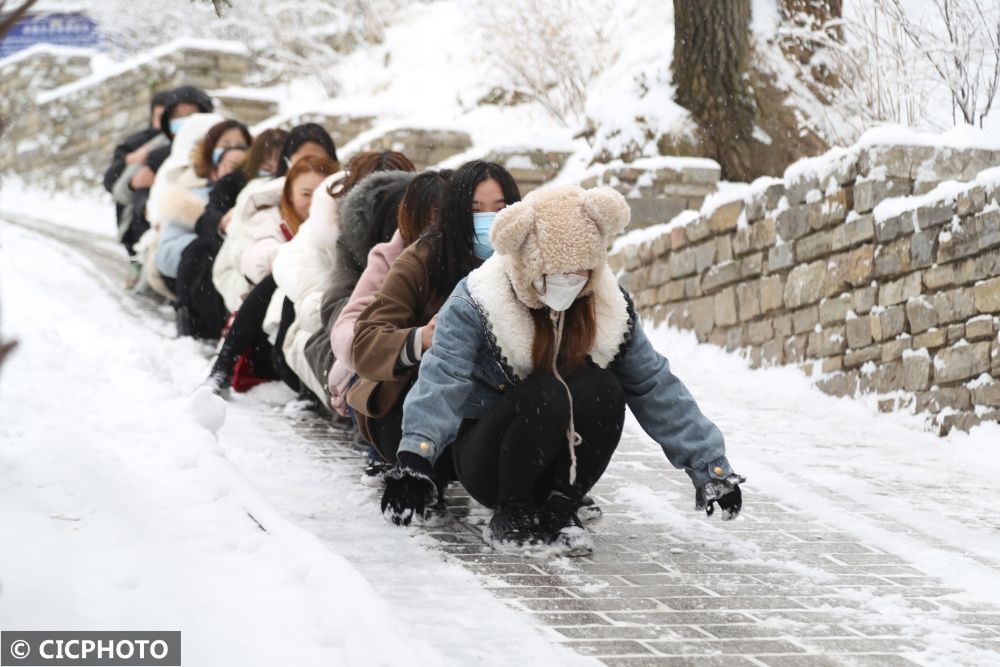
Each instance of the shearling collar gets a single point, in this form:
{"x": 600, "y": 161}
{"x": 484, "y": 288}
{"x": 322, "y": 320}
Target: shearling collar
{"x": 510, "y": 324}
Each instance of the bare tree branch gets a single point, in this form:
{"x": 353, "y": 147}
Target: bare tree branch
{"x": 8, "y": 21}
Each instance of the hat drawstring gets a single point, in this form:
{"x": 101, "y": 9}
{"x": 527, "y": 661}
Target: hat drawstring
{"x": 572, "y": 436}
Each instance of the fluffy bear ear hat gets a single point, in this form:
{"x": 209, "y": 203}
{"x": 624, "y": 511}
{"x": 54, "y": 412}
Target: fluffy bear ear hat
{"x": 557, "y": 230}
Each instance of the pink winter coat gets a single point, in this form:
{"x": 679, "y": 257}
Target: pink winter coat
{"x": 380, "y": 258}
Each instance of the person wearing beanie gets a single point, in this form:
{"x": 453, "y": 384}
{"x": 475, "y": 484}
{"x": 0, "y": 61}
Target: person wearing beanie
{"x": 178, "y": 105}
{"x": 535, "y": 356}
{"x": 128, "y": 168}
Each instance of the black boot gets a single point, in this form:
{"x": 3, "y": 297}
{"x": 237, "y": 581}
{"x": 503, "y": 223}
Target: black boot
{"x": 517, "y": 527}
{"x": 185, "y": 323}
{"x": 221, "y": 375}
{"x": 565, "y": 531}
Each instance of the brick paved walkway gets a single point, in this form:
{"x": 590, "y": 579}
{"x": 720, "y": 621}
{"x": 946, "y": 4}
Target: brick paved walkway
{"x": 666, "y": 586}
{"x": 671, "y": 587}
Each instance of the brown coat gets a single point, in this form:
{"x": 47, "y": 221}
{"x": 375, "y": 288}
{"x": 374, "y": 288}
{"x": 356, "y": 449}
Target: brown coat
{"x": 405, "y": 302}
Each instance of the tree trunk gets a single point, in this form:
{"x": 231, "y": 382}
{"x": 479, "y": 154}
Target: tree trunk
{"x": 9, "y": 19}
{"x": 711, "y": 56}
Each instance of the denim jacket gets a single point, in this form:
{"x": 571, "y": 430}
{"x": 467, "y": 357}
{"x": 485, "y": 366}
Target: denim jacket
{"x": 465, "y": 371}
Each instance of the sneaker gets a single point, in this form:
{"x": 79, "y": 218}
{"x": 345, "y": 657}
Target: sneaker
{"x": 374, "y": 474}
{"x": 588, "y": 510}
{"x": 565, "y": 531}
{"x": 517, "y": 527}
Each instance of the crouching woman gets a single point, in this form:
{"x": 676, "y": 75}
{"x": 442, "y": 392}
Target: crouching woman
{"x": 535, "y": 356}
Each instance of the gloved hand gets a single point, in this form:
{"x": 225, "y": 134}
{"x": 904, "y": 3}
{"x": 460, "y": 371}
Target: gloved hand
{"x": 409, "y": 490}
{"x": 726, "y": 492}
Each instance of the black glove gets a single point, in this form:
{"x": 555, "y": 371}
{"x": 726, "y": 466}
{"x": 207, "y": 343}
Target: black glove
{"x": 726, "y": 492}
{"x": 409, "y": 490}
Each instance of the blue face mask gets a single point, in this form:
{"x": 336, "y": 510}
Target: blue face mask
{"x": 176, "y": 124}
{"x": 217, "y": 155}
{"x": 481, "y": 246}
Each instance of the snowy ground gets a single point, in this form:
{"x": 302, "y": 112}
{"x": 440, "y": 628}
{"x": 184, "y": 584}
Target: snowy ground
{"x": 132, "y": 512}
{"x": 136, "y": 507}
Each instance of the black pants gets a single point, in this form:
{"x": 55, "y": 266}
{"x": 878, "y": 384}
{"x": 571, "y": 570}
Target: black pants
{"x": 246, "y": 335}
{"x": 281, "y": 366}
{"x": 519, "y": 451}
{"x": 196, "y": 291}
{"x": 387, "y": 431}
{"x": 138, "y": 225}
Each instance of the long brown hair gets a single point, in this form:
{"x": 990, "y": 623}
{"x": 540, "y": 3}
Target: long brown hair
{"x": 579, "y": 334}
{"x": 267, "y": 144}
{"x": 307, "y": 165}
{"x": 421, "y": 203}
{"x": 203, "y": 164}
{"x": 367, "y": 163}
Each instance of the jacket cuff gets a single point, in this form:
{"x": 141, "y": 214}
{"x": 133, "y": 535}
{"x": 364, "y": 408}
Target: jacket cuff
{"x": 717, "y": 470}
{"x": 415, "y": 463}
{"x": 415, "y": 446}
{"x": 412, "y": 350}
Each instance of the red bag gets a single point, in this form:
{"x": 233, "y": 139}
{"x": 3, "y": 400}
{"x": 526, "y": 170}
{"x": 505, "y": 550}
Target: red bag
{"x": 244, "y": 378}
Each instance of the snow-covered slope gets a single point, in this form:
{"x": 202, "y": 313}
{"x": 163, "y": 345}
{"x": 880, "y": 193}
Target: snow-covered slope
{"x": 123, "y": 508}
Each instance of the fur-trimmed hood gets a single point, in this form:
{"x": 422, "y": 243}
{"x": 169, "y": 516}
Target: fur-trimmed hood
{"x": 357, "y": 211}
{"x": 509, "y": 323}
{"x": 179, "y": 205}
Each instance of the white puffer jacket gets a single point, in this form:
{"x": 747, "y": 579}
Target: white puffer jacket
{"x": 170, "y": 198}
{"x": 303, "y": 269}
{"x": 227, "y": 274}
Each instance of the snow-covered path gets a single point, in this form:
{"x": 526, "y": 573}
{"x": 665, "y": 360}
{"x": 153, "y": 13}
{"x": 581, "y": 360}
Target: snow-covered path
{"x": 864, "y": 538}
{"x": 133, "y": 515}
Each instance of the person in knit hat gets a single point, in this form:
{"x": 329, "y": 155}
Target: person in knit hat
{"x": 535, "y": 356}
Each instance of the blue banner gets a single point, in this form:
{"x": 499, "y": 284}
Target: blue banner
{"x": 71, "y": 29}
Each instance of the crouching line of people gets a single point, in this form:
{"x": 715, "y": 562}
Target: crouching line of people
{"x": 467, "y": 334}
{"x": 500, "y": 352}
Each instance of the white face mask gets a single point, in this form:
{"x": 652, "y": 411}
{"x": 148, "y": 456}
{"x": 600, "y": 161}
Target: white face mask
{"x": 560, "y": 290}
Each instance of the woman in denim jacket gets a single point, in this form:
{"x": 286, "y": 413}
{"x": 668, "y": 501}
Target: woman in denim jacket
{"x": 530, "y": 430}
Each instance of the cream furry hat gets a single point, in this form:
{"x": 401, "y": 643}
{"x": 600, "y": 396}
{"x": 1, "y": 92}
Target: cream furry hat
{"x": 557, "y": 230}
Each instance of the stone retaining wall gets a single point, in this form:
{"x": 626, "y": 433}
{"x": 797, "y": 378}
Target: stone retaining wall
{"x": 65, "y": 137}
{"x": 25, "y": 74}
{"x": 657, "y": 189}
{"x": 343, "y": 129}
{"x": 425, "y": 147}
{"x": 840, "y": 269}
{"x": 530, "y": 167}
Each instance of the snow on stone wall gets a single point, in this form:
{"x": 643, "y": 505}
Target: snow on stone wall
{"x": 660, "y": 188}
{"x": 64, "y": 137}
{"x": 840, "y": 268}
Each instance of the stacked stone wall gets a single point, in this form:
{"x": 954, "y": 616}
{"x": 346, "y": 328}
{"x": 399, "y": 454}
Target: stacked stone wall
{"x": 425, "y": 147}
{"x": 840, "y": 269}
{"x": 64, "y": 137}
{"x": 25, "y": 74}
{"x": 342, "y": 128}
{"x": 530, "y": 167}
{"x": 658, "y": 189}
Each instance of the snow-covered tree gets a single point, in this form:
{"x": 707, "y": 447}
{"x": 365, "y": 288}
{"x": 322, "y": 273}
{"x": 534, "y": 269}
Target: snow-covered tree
{"x": 960, "y": 39}
{"x": 286, "y": 38}
{"x": 550, "y": 50}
